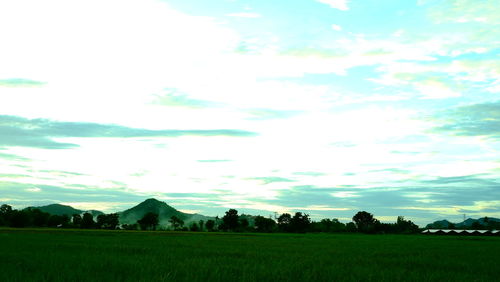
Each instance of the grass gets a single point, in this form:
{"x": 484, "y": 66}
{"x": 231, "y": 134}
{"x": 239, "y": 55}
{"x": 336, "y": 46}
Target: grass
{"x": 90, "y": 255}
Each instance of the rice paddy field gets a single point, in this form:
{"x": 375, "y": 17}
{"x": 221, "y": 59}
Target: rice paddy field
{"x": 90, "y": 255}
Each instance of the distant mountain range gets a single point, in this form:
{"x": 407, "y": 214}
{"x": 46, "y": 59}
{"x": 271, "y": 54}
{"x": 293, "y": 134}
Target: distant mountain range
{"x": 133, "y": 214}
{"x": 58, "y": 209}
{"x": 443, "y": 224}
{"x": 165, "y": 212}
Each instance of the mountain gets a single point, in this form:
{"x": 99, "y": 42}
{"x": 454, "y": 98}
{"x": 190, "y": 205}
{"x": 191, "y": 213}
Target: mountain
{"x": 443, "y": 224}
{"x": 440, "y": 224}
{"x": 58, "y": 209}
{"x": 164, "y": 211}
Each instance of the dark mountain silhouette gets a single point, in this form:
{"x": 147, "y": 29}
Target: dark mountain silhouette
{"x": 164, "y": 211}
{"x": 483, "y": 221}
{"x": 464, "y": 224}
{"x": 58, "y": 209}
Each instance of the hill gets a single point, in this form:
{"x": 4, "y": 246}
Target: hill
{"x": 58, "y": 209}
{"x": 164, "y": 211}
{"x": 468, "y": 223}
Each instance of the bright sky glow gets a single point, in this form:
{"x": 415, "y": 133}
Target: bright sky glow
{"x": 322, "y": 106}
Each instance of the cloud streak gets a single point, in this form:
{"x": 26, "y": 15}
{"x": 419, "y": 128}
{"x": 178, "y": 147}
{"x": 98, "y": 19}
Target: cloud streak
{"x": 472, "y": 120}
{"x": 38, "y": 133}
{"x": 20, "y": 82}
{"x": 336, "y": 4}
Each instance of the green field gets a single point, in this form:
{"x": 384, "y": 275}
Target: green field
{"x": 76, "y": 255}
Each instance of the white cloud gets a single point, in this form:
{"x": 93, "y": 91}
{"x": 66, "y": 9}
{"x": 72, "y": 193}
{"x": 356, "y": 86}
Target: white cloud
{"x": 435, "y": 90}
{"x": 336, "y": 4}
{"x": 336, "y": 27}
{"x": 95, "y": 55}
{"x": 244, "y": 15}
{"x": 34, "y": 189}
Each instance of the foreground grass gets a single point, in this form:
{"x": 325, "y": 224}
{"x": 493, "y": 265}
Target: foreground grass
{"x": 76, "y": 255}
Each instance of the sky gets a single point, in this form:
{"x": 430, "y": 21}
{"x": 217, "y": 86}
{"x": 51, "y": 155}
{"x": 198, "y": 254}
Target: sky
{"x": 327, "y": 107}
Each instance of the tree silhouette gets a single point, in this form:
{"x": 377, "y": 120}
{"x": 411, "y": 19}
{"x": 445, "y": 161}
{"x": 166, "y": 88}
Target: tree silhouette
{"x": 194, "y": 227}
{"x": 243, "y": 223}
{"x": 76, "y": 219}
{"x": 5, "y": 214}
{"x": 176, "y": 222}
{"x": 149, "y": 221}
{"x": 210, "y": 225}
{"x": 263, "y": 224}
{"x": 87, "y": 221}
{"x": 107, "y": 221}
{"x": 300, "y": 222}
{"x": 230, "y": 220}
{"x": 58, "y": 221}
{"x": 201, "y": 224}
{"x": 284, "y": 221}
{"x": 365, "y": 222}
{"x": 19, "y": 218}
{"x": 350, "y": 227}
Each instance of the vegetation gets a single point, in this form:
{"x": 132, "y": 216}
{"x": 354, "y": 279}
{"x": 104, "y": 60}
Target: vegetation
{"x": 363, "y": 222}
{"x": 149, "y": 221}
{"x": 103, "y": 255}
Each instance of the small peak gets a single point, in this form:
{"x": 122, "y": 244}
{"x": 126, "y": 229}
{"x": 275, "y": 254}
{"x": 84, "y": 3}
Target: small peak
{"x": 152, "y": 200}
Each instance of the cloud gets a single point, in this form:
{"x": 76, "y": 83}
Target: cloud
{"x": 336, "y": 27}
{"x": 12, "y": 157}
{"x": 309, "y": 173}
{"x": 10, "y": 175}
{"x": 465, "y": 11}
{"x": 245, "y": 15}
{"x": 272, "y": 179}
{"x": 213, "y": 161}
{"x": 19, "y": 131}
{"x": 266, "y": 114}
{"x": 23, "y": 193}
{"x": 173, "y": 98}
{"x": 438, "y": 197}
{"x": 336, "y": 4}
{"x": 20, "y": 82}
{"x": 472, "y": 120}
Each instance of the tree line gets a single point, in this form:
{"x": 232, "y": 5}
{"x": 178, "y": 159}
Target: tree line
{"x": 299, "y": 222}
{"x": 33, "y": 217}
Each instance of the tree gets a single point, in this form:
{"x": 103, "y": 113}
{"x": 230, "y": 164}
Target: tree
{"x": 5, "y": 209}
{"x": 5, "y": 214}
{"x": 176, "y": 222}
{"x": 210, "y": 225}
{"x": 326, "y": 225}
{"x": 76, "y": 219}
{"x": 406, "y": 226}
{"x": 149, "y": 221}
{"x": 263, "y": 224}
{"x": 230, "y": 220}
{"x": 284, "y": 221}
{"x": 87, "y": 221}
{"x": 107, "y": 221}
{"x": 112, "y": 221}
{"x": 19, "y": 218}
{"x": 243, "y": 223}
{"x": 130, "y": 226}
{"x": 477, "y": 226}
{"x": 350, "y": 227}
{"x": 338, "y": 226}
{"x": 58, "y": 220}
{"x": 201, "y": 223}
{"x": 194, "y": 227}
{"x": 300, "y": 222}
{"x": 365, "y": 222}
{"x": 101, "y": 220}
{"x": 38, "y": 217}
